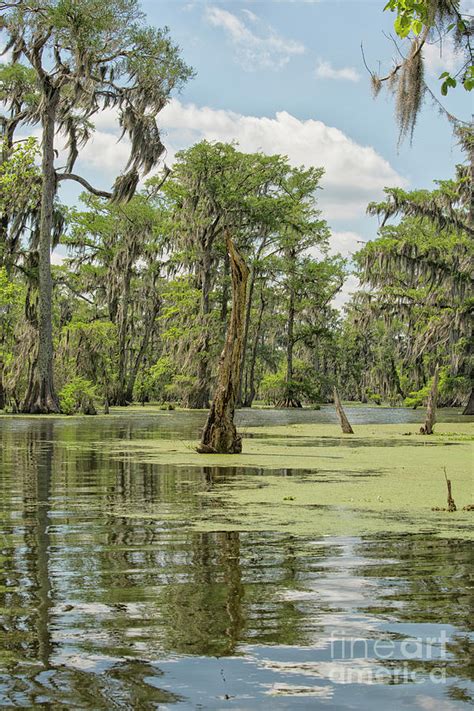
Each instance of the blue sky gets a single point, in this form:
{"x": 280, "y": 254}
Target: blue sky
{"x": 260, "y": 58}
{"x": 287, "y": 76}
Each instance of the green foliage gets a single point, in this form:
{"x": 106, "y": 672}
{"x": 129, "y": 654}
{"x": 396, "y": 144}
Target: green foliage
{"x": 181, "y": 304}
{"x": 411, "y": 16}
{"x": 9, "y": 292}
{"x": 416, "y": 307}
{"x": 18, "y": 84}
{"x": 142, "y": 303}
{"x": 20, "y": 184}
{"x": 79, "y": 395}
{"x": 87, "y": 350}
{"x": 420, "y": 17}
{"x": 304, "y": 385}
{"x": 11, "y": 305}
{"x": 180, "y": 386}
{"x": 108, "y": 48}
{"x": 450, "y": 388}
{"x": 376, "y": 398}
{"x": 154, "y": 383}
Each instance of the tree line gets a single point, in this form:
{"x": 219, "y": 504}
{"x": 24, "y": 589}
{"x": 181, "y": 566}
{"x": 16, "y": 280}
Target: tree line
{"x": 141, "y": 307}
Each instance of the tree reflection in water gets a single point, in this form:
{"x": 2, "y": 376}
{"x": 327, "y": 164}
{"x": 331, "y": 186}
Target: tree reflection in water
{"x": 107, "y": 593}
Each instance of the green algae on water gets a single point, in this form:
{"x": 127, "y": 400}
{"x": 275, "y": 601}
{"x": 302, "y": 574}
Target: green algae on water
{"x": 308, "y": 479}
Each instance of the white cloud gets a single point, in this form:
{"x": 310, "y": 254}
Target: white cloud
{"x": 102, "y": 158}
{"x": 345, "y": 243}
{"x": 351, "y": 285}
{"x": 251, "y": 15}
{"x": 57, "y": 258}
{"x": 354, "y": 174}
{"x": 105, "y": 153}
{"x": 325, "y": 70}
{"x": 269, "y": 51}
{"x": 442, "y": 58}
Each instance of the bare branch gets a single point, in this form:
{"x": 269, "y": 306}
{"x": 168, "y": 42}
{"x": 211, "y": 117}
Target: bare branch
{"x": 84, "y": 183}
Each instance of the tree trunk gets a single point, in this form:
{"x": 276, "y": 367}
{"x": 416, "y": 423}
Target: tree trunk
{"x": 225, "y": 294}
{"x": 289, "y": 345}
{"x": 120, "y": 394}
{"x": 469, "y": 409}
{"x": 290, "y": 399}
{"x": 250, "y": 396}
{"x": 430, "y": 420}
{"x": 248, "y": 312}
{"x": 220, "y": 435}
{"x": 254, "y": 272}
{"x": 451, "y": 504}
{"x": 198, "y": 398}
{"x": 344, "y": 422}
{"x": 141, "y": 353}
{"x": 41, "y": 396}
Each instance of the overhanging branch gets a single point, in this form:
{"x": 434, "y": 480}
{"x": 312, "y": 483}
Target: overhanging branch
{"x": 84, "y": 183}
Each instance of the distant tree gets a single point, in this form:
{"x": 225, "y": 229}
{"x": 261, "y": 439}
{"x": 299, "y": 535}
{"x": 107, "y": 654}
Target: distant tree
{"x": 420, "y": 274}
{"x": 19, "y": 178}
{"x": 214, "y": 186}
{"x": 303, "y": 230}
{"x": 116, "y": 253}
{"x": 11, "y": 296}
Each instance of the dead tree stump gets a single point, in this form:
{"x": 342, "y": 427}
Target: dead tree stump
{"x": 430, "y": 420}
{"x": 451, "y": 504}
{"x": 345, "y": 424}
{"x": 219, "y": 435}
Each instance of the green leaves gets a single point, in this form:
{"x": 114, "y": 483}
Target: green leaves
{"x": 468, "y": 79}
{"x": 448, "y": 82}
{"x": 9, "y": 292}
{"x": 403, "y": 26}
{"x": 76, "y": 394}
{"x": 412, "y": 16}
{"x": 20, "y": 180}
{"x": 415, "y": 16}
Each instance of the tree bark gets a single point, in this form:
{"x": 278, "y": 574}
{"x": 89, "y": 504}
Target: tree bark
{"x": 469, "y": 409}
{"x": 451, "y": 504}
{"x": 220, "y": 434}
{"x": 289, "y": 345}
{"x": 250, "y": 396}
{"x": 290, "y": 399}
{"x": 120, "y": 397}
{"x": 41, "y": 396}
{"x": 225, "y": 294}
{"x": 198, "y": 397}
{"x": 430, "y": 420}
{"x": 344, "y": 422}
{"x": 254, "y": 272}
{"x": 248, "y": 312}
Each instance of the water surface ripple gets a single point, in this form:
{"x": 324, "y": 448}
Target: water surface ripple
{"x": 100, "y": 610}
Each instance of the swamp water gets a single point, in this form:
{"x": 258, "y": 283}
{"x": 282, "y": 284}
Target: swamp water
{"x": 136, "y": 574}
